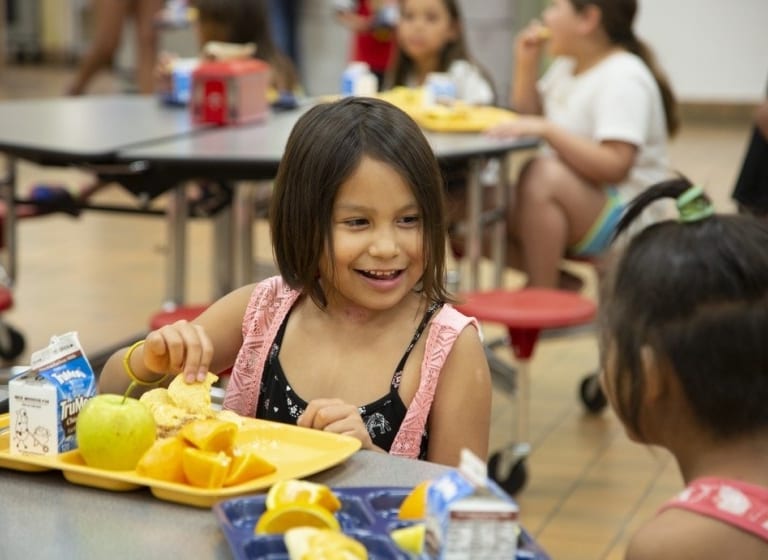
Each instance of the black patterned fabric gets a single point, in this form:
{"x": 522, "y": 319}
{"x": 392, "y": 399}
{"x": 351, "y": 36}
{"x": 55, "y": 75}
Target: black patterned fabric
{"x": 382, "y": 417}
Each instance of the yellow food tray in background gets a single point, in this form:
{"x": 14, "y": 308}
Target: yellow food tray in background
{"x": 296, "y": 452}
{"x": 459, "y": 117}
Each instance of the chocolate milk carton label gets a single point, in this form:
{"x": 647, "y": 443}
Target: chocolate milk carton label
{"x": 44, "y": 402}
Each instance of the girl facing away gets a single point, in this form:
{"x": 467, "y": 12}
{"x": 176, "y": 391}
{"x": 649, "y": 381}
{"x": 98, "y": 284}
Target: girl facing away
{"x": 357, "y": 335}
{"x": 685, "y": 366}
{"x": 430, "y": 38}
{"x": 604, "y": 111}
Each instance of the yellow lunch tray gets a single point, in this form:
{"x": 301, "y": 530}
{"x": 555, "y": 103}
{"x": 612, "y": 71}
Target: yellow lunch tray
{"x": 462, "y": 118}
{"x": 443, "y": 118}
{"x": 296, "y": 452}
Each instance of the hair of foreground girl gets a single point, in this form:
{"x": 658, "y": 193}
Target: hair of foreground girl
{"x": 324, "y": 148}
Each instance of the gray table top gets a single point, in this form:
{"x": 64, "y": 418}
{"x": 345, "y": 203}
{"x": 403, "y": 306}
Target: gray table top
{"x": 87, "y": 129}
{"x": 43, "y": 516}
{"x": 254, "y": 150}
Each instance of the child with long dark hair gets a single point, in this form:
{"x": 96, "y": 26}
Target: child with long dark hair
{"x": 685, "y": 317}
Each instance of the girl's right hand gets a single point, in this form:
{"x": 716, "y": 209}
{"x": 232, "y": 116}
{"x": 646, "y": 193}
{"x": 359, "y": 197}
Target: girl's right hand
{"x": 181, "y": 347}
{"x": 529, "y": 44}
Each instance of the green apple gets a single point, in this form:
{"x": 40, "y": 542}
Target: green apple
{"x": 114, "y": 431}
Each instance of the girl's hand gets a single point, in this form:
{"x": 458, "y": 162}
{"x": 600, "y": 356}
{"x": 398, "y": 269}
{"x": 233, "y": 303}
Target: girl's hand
{"x": 529, "y": 44}
{"x": 334, "y": 415}
{"x": 181, "y": 347}
{"x": 520, "y": 126}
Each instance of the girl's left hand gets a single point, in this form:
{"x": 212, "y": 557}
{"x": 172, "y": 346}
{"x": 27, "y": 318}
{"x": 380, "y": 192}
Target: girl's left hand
{"x": 334, "y": 415}
{"x": 522, "y": 125}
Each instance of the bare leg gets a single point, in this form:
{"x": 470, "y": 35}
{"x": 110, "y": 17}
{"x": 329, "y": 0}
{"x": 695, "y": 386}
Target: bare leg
{"x": 555, "y": 208}
{"x": 109, "y": 16}
{"x": 146, "y": 43}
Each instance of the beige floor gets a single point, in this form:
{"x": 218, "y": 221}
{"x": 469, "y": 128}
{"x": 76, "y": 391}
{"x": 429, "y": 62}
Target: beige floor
{"x": 103, "y": 275}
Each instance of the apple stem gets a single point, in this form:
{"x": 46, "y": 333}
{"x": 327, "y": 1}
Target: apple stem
{"x": 129, "y": 390}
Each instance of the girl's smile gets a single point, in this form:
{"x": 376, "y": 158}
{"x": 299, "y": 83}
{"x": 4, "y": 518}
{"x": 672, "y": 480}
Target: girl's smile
{"x": 377, "y": 243}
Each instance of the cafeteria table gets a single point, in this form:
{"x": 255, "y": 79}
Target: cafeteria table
{"x": 43, "y": 516}
{"x": 253, "y": 152}
{"x": 83, "y": 131}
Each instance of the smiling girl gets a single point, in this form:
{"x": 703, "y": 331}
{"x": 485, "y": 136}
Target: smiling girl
{"x": 356, "y": 335}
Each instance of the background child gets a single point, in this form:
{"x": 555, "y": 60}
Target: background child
{"x": 430, "y": 38}
{"x": 245, "y": 21}
{"x": 110, "y": 17}
{"x": 686, "y": 367}
{"x": 607, "y": 111}
{"x": 355, "y": 336}
{"x": 372, "y": 24}
{"x": 239, "y": 22}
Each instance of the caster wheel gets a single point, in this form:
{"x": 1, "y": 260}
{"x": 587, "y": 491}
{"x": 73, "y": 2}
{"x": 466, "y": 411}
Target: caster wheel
{"x": 513, "y": 480}
{"x": 13, "y": 345}
{"x": 592, "y": 395}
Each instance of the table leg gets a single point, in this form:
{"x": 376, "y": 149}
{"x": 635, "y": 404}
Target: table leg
{"x": 474, "y": 222}
{"x": 8, "y": 194}
{"x": 177, "y": 247}
{"x": 245, "y": 202}
{"x": 500, "y": 223}
{"x": 223, "y": 261}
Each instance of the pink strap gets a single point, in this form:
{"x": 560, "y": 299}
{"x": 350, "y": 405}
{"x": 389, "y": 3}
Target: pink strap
{"x": 270, "y": 303}
{"x": 733, "y": 502}
{"x": 443, "y": 332}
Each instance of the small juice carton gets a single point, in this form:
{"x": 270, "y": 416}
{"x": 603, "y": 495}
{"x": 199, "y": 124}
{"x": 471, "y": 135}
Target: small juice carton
{"x": 469, "y": 516}
{"x": 45, "y": 401}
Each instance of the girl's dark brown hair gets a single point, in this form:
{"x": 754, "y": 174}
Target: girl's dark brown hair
{"x": 324, "y": 149}
{"x": 402, "y": 66}
{"x": 618, "y": 17}
{"x": 697, "y": 294}
{"x": 247, "y": 21}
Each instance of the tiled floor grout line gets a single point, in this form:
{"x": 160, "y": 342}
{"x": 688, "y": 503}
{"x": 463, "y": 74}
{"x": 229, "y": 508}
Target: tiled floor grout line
{"x": 575, "y": 484}
{"x": 638, "y": 504}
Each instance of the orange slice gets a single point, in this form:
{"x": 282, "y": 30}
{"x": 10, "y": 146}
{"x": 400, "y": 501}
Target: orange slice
{"x": 163, "y": 460}
{"x": 247, "y": 465}
{"x": 205, "y": 469}
{"x": 210, "y": 434}
{"x": 414, "y": 505}
{"x": 286, "y": 517}
{"x": 287, "y": 492}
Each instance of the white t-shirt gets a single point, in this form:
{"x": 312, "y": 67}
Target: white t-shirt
{"x": 617, "y": 99}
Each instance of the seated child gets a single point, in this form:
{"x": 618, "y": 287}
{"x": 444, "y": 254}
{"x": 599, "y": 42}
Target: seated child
{"x": 685, "y": 367}
{"x": 357, "y": 335}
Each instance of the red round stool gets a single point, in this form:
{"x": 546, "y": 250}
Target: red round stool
{"x": 525, "y": 313}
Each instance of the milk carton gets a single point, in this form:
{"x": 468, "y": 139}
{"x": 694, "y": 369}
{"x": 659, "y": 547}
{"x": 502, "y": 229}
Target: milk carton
{"x": 469, "y": 516}
{"x": 45, "y": 401}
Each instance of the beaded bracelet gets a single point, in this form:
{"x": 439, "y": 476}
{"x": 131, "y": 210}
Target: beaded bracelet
{"x": 129, "y": 370}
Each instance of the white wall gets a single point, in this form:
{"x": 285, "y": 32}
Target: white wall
{"x": 712, "y": 50}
